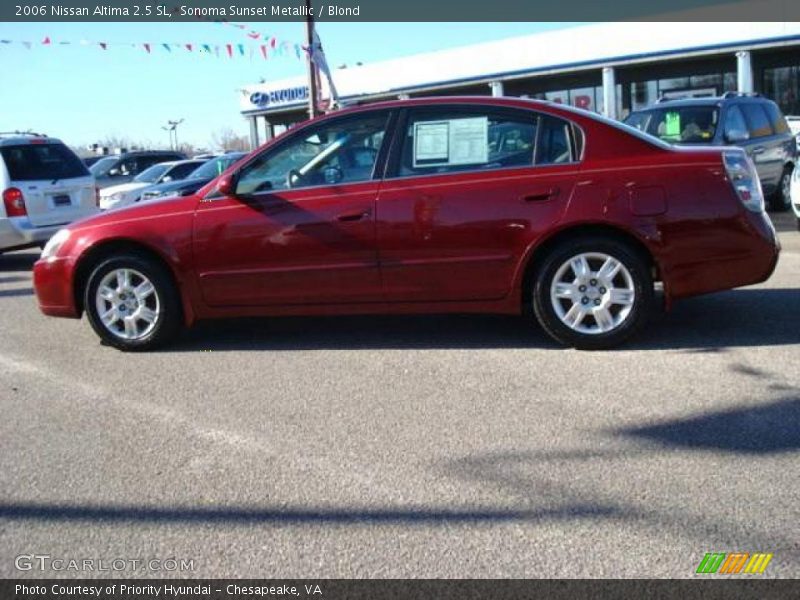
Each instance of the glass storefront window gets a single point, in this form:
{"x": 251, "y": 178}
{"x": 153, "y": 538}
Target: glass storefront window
{"x": 643, "y": 94}
{"x": 559, "y": 97}
{"x": 583, "y": 98}
{"x": 782, "y": 84}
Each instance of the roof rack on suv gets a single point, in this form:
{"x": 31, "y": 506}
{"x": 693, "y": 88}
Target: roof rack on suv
{"x": 741, "y": 95}
{"x": 29, "y": 132}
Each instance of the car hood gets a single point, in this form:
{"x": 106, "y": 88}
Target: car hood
{"x": 123, "y": 187}
{"x": 152, "y": 209}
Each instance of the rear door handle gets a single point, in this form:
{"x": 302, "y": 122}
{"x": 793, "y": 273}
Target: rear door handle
{"x": 541, "y": 195}
{"x": 348, "y": 217}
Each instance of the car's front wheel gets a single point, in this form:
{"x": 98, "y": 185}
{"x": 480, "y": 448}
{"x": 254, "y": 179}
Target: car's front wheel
{"x": 132, "y": 303}
{"x": 592, "y": 293}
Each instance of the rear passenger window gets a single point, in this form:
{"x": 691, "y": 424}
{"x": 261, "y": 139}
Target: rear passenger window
{"x": 776, "y": 118}
{"x": 554, "y": 142}
{"x": 441, "y": 141}
{"x": 735, "y": 125}
{"x": 757, "y": 120}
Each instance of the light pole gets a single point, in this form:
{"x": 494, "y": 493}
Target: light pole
{"x": 312, "y": 80}
{"x": 172, "y": 129}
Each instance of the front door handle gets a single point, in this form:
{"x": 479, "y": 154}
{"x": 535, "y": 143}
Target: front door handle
{"x": 759, "y": 150}
{"x": 349, "y": 217}
{"x": 541, "y": 195}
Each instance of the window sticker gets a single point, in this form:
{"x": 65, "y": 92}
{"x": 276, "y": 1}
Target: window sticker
{"x": 451, "y": 142}
{"x": 673, "y": 124}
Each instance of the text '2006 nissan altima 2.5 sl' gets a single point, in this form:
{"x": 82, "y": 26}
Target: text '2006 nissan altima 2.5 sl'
{"x": 482, "y": 205}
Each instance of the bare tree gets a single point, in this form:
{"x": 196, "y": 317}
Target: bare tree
{"x": 227, "y": 139}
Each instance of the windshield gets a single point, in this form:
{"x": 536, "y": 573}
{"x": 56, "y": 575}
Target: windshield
{"x": 152, "y": 174}
{"x": 214, "y": 167}
{"x": 102, "y": 166}
{"x": 32, "y": 162}
{"x": 678, "y": 124}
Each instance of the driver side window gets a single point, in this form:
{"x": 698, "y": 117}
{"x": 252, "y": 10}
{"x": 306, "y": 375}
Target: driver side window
{"x": 344, "y": 151}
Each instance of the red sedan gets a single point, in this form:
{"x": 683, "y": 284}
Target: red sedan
{"x": 481, "y": 205}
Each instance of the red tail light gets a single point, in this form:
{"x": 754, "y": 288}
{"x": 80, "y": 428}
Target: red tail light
{"x": 14, "y": 202}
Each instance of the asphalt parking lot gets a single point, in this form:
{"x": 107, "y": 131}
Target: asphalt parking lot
{"x": 406, "y": 447}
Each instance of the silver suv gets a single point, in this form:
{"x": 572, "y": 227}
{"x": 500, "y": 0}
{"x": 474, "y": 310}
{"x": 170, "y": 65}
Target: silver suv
{"x": 44, "y": 187}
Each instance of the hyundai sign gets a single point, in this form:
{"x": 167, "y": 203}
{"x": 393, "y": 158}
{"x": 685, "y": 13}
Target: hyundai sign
{"x": 292, "y": 95}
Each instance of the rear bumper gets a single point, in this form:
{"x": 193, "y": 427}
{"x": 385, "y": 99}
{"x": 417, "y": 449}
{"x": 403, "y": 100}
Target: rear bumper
{"x": 754, "y": 260}
{"x": 52, "y": 281}
{"x": 19, "y": 232}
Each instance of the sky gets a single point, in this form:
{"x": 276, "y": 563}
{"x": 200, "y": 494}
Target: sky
{"x": 83, "y": 94}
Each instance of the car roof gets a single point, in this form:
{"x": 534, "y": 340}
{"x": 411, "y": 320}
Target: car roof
{"x": 705, "y": 101}
{"x": 20, "y": 140}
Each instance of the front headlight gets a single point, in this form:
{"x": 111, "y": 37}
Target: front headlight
{"x": 54, "y": 244}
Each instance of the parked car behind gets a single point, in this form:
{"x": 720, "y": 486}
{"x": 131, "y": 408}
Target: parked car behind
{"x": 122, "y": 168}
{"x": 795, "y": 193}
{"x": 751, "y": 122}
{"x": 44, "y": 185}
{"x": 195, "y": 180}
{"x": 124, "y": 194}
{"x": 430, "y": 205}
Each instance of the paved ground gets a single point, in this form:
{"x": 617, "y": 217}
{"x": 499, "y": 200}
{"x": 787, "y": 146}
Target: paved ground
{"x": 393, "y": 447}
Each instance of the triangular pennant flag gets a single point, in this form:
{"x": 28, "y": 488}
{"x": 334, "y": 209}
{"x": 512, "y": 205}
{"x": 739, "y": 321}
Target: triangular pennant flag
{"x": 5, "y": 41}
{"x": 27, "y": 45}
{"x": 241, "y": 49}
{"x": 297, "y": 50}
{"x": 167, "y": 48}
{"x": 188, "y": 47}
{"x": 264, "y": 51}
{"x": 216, "y": 51}
{"x": 147, "y": 47}
{"x": 46, "y": 41}
{"x": 273, "y": 42}
{"x": 206, "y": 48}
{"x": 103, "y": 45}
{"x": 64, "y": 43}
{"x": 229, "y": 48}
{"x": 251, "y": 53}
{"x": 254, "y": 35}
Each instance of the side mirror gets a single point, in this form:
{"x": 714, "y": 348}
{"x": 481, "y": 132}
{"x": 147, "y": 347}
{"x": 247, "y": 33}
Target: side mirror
{"x": 227, "y": 185}
{"x": 736, "y": 136}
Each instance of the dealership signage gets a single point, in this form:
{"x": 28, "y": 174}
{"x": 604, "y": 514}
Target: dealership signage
{"x": 268, "y": 98}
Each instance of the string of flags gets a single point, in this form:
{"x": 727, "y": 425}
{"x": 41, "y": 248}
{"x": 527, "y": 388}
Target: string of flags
{"x": 267, "y": 48}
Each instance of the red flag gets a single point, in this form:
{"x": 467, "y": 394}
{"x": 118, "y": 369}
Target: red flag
{"x": 272, "y": 42}
{"x": 103, "y": 45}
{"x": 46, "y": 41}
{"x": 264, "y": 51}
{"x": 147, "y": 47}
{"x": 230, "y": 50}
{"x": 189, "y": 47}
{"x": 254, "y": 35}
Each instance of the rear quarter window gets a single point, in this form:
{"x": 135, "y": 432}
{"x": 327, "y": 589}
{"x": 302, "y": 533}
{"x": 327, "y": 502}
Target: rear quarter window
{"x": 757, "y": 120}
{"x": 776, "y": 118}
{"x": 32, "y": 162}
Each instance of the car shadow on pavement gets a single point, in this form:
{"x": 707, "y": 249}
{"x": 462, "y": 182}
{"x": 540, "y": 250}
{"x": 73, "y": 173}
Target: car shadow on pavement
{"x": 16, "y": 292}
{"x": 763, "y": 429}
{"x": 743, "y": 317}
{"x": 287, "y": 515}
{"x": 18, "y": 261}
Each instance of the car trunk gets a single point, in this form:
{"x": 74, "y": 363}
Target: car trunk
{"x": 49, "y": 203}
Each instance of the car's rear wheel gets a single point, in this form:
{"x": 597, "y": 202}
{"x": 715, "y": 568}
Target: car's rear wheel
{"x": 132, "y": 303}
{"x": 592, "y": 293}
{"x": 782, "y": 199}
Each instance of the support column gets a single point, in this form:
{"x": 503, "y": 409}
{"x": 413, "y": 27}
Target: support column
{"x": 497, "y": 88}
{"x": 609, "y": 93}
{"x": 253, "y": 132}
{"x": 744, "y": 72}
{"x": 269, "y": 133}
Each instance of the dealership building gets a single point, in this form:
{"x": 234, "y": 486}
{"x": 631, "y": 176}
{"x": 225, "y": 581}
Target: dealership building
{"x": 611, "y": 68}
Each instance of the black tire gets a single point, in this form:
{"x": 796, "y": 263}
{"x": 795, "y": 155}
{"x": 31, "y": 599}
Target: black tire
{"x": 781, "y": 200}
{"x": 170, "y": 319}
{"x": 637, "y": 316}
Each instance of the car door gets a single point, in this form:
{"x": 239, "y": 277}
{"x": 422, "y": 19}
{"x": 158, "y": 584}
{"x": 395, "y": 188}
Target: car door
{"x": 764, "y": 146}
{"x": 463, "y": 196}
{"x": 301, "y": 226}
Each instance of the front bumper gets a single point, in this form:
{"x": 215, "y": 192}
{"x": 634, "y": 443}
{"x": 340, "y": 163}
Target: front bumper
{"x": 52, "y": 281}
{"x": 19, "y": 232}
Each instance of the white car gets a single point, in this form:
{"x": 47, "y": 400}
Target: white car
{"x": 126, "y": 194}
{"x": 44, "y": 186}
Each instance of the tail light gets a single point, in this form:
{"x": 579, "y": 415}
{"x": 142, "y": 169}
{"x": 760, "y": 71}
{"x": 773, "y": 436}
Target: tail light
{"x": 97, "y": 196}
{"x": 744, "y": 179}
{"x": 14, "y": 202}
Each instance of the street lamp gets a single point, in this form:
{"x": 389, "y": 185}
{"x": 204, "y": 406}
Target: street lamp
{"x": 172, "y": 129}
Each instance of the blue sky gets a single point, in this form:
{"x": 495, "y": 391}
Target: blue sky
{"x": 82, "y": 94}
